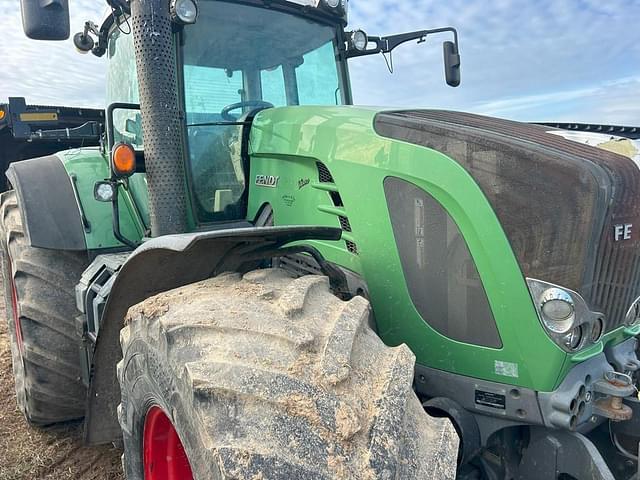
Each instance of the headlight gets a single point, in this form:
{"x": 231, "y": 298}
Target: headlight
{"x": 557, "y": 310}
{"x": 573, "y": 339}
{"x": 359, "y": 40}
{"x": 565, "y": 315}
{"x": 103, "y": 191}
{"x": 633, "y": 314}
{"x": 184, "y": 11}
{"x": 336, "y": 7}
{"x": 597, "y": 329}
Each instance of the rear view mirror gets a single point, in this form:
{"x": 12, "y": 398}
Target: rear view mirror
{"x": 360, "y": 44}
{"x": 451, "y": 64}
{"x": 124, "y": 125}
{"x": 45, "y": 19}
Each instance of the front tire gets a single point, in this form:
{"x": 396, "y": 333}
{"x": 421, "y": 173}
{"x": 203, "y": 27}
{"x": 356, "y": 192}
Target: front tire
{"x": 41, "y": 310}
{"x": 266, "y": 376}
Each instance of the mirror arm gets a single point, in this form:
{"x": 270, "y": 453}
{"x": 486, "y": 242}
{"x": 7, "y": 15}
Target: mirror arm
{"x": 379, "y": 48}
{"x": 421, "y": 35}
{"x": 103, "y": 34}
{"x": 109, "y": 118}
{"x": 121, "y": 5}
{"x": 387, "y": 44}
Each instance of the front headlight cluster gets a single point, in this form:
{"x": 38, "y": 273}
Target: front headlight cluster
{"x": 558, "y": 310}
{"x": 565, "y": 315}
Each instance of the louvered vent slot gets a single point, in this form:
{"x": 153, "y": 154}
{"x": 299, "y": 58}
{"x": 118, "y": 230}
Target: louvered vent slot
{"x": 344, "y": 224}
{"x": 336, "y": 199}
{"x": 324, "y": 174}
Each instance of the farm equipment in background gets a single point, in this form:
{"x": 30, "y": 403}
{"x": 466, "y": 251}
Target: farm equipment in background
{"x": 30, "y": 131}
{"x": 624, "y": 140}
{"x": 208, "y": 287}
{"x": 622, "y": 131}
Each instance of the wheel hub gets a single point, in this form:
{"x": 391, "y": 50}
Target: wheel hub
{"x": 163, "y": 454}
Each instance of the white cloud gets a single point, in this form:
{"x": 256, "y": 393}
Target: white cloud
{"x": 615, "y": 102}
{"x": 50, "y": 72}
{"x": 574, "y": 60}
{"x": 520, "y": 59}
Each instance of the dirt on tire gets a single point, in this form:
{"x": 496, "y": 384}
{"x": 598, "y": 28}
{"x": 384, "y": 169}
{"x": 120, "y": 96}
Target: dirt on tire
{"x": 270, "y": 376}
{"x": 45, "y": 453}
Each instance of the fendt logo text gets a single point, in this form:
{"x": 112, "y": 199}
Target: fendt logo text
{"x": 622, "y": 232}
{"x": 267, "y": 181}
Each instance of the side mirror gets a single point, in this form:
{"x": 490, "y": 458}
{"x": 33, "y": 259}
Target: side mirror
{"x": 45, "y": 19}
{"x": 451, "y": 64}
{"x": 359, "y": 44}
{"x": 124, "y": 124}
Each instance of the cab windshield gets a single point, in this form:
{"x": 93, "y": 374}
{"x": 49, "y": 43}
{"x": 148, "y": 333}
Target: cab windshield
{"x": 237, "y": 58}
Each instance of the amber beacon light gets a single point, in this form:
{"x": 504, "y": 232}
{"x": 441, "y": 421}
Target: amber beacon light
{"x": 123, "y": 160}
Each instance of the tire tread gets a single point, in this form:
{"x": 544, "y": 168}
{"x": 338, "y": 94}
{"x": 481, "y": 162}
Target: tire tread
{"x": 321, "y": 398}
{"x": 49, "y": 387}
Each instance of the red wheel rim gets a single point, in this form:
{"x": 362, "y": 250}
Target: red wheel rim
{"x": 163, "y": 454}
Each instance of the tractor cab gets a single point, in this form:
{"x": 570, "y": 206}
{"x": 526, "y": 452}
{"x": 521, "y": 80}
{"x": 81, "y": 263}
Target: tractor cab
{"x": 234, "y": 61}
{"x": 218, "y": 63}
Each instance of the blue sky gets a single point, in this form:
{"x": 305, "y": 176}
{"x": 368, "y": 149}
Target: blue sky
{"x": 561, "y": 60}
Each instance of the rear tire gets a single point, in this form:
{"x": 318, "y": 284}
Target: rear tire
{"x": 41, "y": 310}
{"x": 266, "y": 376}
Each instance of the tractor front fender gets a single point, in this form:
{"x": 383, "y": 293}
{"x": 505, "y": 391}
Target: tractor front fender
{"x": 58, "y": 207}
{"x": 159, "y": 265}
{"x": 49, "y": 205}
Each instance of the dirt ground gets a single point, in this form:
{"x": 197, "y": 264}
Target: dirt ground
{"x": 49, "y": 453}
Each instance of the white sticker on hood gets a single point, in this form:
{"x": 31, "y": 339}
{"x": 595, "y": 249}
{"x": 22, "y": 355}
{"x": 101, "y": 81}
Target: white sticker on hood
{"x": 506, "y": 369}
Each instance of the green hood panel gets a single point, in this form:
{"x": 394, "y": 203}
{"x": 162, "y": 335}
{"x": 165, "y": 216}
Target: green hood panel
{"x": 327, "y": 166}
{"x": 287, "y": 143}
{"x": 90, "y": 165}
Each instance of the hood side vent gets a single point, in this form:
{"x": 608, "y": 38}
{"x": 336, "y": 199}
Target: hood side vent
{"x": 324, "y": 175}
{"x": 344, "y": 223}
{"x": 327, "y": 183}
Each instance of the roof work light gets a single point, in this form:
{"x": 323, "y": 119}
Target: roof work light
{"x": 184, "y": 11}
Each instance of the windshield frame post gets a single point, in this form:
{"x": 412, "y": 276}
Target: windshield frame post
{"x": 291, "y": 83}
{"x": 343, "y": 66}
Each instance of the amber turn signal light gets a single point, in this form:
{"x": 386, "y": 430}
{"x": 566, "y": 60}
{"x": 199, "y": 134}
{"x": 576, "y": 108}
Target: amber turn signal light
{"x": 123, "y": 160}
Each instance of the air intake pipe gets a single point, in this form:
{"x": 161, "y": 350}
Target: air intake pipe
{"x": 161, "y": 123}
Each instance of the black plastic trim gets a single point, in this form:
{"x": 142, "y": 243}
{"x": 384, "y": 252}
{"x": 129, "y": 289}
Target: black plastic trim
{"x": 109, "y": 118}
{"x": 184, "y": 259}
{"x": 50, "y": 213}
{"x": 76, "y": 195}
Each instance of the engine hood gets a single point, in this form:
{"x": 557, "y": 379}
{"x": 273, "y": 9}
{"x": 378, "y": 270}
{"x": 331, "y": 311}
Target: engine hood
{"x": 570, "y": 211}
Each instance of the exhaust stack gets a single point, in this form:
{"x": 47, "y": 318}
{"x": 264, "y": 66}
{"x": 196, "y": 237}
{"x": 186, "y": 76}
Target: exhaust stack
{"x": 163, "y": 142}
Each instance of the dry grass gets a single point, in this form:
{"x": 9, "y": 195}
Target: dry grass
{"x": 44, "y": 453}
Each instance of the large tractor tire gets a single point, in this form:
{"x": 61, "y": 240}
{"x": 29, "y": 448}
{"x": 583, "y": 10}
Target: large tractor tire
{"x": 41, "y": 310}
{"x": 269, "y": 377}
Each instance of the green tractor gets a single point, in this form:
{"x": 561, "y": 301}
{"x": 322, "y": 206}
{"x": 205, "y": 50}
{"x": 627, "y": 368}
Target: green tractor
{"x": 251, "y": 278}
